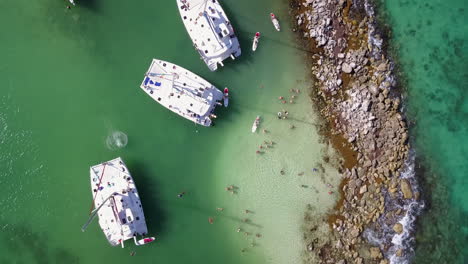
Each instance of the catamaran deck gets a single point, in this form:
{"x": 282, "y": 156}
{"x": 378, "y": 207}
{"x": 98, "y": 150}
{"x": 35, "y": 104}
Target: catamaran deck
{"x": 121, "y": 216}
{"x": 210, "y": 30}
{"x": 182, "y": 91}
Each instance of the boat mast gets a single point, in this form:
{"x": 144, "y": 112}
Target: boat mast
{"x": 94, "y": 213}
{"x": 97, "y": 189}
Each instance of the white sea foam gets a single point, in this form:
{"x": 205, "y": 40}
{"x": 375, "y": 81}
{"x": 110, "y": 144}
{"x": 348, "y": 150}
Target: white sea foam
{"x": 410, "y": 207}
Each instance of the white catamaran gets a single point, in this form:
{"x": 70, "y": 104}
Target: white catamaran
{"x": 210, "y": 30}
{"x": 117, "y": 203}
{"x": 182, "y": 92}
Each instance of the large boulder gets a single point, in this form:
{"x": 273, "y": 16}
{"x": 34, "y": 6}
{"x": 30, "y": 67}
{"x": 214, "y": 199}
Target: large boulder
{"x": 398, "y": 228}
{"x": 346, "y": 68}
{"x": 405, "y": 188}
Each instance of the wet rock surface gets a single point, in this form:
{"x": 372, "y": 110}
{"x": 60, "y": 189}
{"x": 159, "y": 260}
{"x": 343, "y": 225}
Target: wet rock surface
{"x": 353, "y": 79}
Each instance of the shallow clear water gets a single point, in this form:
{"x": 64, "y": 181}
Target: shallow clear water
{"x": 430, "y": 39}
{"x": 69, "y": 80}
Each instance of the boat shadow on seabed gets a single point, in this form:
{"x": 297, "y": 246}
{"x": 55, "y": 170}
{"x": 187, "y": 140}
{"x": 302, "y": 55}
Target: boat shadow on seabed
{"x": 89, "y": 4}
{"x": 156, "y": 218}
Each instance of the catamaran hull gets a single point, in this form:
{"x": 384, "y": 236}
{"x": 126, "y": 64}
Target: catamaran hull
{"x": 211, "y": 31}
{"x": 182, "y": 92}
{"x": 115, "y": 195}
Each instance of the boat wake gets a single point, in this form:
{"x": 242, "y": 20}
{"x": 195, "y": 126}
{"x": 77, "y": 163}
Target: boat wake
{"x": 116, "y": 140}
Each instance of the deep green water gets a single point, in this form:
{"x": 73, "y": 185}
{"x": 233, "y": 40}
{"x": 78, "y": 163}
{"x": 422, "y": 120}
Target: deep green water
{"x": 430, "y": 40}
{"x": 70, "y": 78}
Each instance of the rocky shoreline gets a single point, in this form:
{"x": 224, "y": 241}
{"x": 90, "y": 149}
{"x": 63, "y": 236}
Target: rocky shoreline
{"x": 354, "y": 83}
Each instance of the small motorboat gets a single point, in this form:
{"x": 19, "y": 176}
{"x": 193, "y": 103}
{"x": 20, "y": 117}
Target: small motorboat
{"x": 255, "y": 124}
{"x": 226, "y": 97}
{"x": 72, "y": 2}
{"x": 275, "y": 21}
{"x": 255, "y": 41}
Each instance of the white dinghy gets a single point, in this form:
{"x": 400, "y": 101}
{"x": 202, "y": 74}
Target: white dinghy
{"x": 210, "y": 30}
{"x": 255, "y": 124}
{"x": 182, "y": 92}
{"x": 255, "y": 41}
{"x": 275, "y": 21}
{"x": 117, "y": 203}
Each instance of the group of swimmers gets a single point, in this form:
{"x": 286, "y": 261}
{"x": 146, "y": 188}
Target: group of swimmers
{"x": 268, "y": 144}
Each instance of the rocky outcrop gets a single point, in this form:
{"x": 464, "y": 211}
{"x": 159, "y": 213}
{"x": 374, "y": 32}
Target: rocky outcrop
{"x": 398, "y": 228}
{"x": 406, "y": 189}
{"x": 354, "y": 81}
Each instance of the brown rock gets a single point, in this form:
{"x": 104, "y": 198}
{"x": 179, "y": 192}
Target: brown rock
{"x": 354, "y": 232}
{"x": 384, "y": 261}
{"x": 363, "y": 189}
{"x": 405, "y": 188}
{"x": 346, "y": 68}
{"x": 417, "y": 195}
{"x": 375, "y": 252}
{"x": 399, "y": 252}
{"x": 398, "y": 228}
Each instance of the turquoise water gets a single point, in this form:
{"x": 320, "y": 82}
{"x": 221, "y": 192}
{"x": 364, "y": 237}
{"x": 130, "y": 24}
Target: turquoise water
{"x": 69, "y": 79}
{"x": 430, "y": 39}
